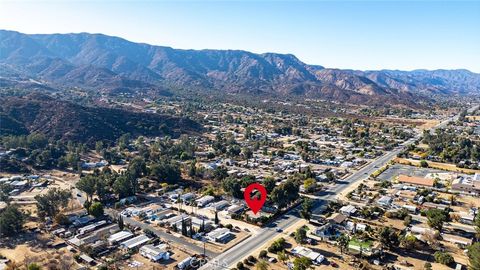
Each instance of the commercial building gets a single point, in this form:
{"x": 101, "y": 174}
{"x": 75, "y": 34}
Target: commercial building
{"x": 416, "y": 181}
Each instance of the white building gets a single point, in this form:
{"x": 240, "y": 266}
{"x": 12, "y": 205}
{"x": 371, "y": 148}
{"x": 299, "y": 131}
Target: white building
{"x": 219, "y": 205}
{"x": 119, "y": 237}
{"x": 221, "y": 235}
{"x": 155, "y": 253}
{"x": 203, "y": 201}
{"x": 348, "y": 210}
{"x": 385, "y": 201}
{"x": 316, "y": 257}
{"x": 135, "y": 242}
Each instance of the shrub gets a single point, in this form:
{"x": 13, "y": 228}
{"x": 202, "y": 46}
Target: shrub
{"x": 277, "y": 246}
{"x": 263, "y": 254}
{"x": 443, "y": 258}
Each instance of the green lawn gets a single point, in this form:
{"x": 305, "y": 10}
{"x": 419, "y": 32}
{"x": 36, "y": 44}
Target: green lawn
{"x": 358, "y": 243}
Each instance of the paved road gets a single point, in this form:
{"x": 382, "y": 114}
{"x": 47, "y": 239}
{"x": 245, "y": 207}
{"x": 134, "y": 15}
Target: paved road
{"x": 163, "y": 235}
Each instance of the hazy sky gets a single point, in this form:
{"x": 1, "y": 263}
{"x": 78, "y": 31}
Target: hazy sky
{"x": 342, "y": 34}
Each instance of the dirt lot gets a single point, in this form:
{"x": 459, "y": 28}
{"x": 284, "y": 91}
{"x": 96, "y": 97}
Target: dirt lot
{"x": 419, "y": 123}
{"x": 473, "y": 117}
{"x": 437, "y": 165}
{"x": 28, "y": 248}
{"x": 137, "y": 261}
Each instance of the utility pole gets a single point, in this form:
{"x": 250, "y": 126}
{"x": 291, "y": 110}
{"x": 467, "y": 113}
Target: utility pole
{"x": 204, "y": 243}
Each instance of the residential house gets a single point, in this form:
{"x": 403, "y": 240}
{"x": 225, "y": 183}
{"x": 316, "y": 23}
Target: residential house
{"x": 219, "y": 205}
{"x": 205, "y": 200}
{"x": 348, "y": 210}
{"x": 119, "y": 237}
{"x": 385, "y": 201}
{"x": 220, "y": 235}
{"x": 155, "y": 253}
{"x": 300, "y": 251}
{"x": 135, "y": 242}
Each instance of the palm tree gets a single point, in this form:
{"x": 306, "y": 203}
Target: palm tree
{"x": 282, "y": 256}
{"x": 261, "y": 265}
{"x": 343, "y": 241}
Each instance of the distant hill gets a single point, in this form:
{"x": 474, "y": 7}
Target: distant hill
{"x": 63, "y": 120}
{"x": 114, "y": 65}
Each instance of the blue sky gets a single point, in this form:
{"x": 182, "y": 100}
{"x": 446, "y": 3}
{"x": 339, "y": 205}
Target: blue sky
{"x": 340, "y": 34}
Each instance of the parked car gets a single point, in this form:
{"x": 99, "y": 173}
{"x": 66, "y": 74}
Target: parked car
{"x": 272, "y": 260}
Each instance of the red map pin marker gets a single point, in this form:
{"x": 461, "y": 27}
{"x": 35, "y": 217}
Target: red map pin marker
{"x": 255, "y": 204}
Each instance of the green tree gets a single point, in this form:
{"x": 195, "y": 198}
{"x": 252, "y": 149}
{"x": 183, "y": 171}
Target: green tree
{"x": 49, "y": 204}
{"x": 11, "y": 220}
{"x": 443, "y": 258}
{"x": 269, "y": 184}
{"x": 282, "y": 256}
{"x": 436, "y": 218}
{"x": 137, "y": 167}
{"x": 343, "y": 241}
{"x": 474, "y": 256}
{"x": 96, "y": 209}
{"x": 220, "y": 173}
{"x": 306, "y": 211}
{"x": 285, "y": 193}
{"x": 310, "y": 184}
{"x": 277, "y": 246}
{"x": 5, "y": 190}
{"x": 247, "y": 153}
{"x": 232, "y": 186}
{"x": 408, "y": 241}
{"x": 99, "y": 147}
{"x": 87, "y": 184}
{"x": 192, "y": 169}
{"x": 216, "y": 218}
{"x": 388, "y": 237}
{"x": 477, "y": 225}
{"x": 33, "y": 266}
{"x": 302, "y": 263}
{"x": 124, "y": 186}
{"x": 301, "y": 235}
{"x": 427, "y": 266}
{"x": 423, "y": 163}
{"x": 62, "y": 219}
{"x": 120, "y": 222}
{"x": 123, "y": 141}
{"x": 261, "y": 265}
{"x": 166, "y": 171}
{"x": 101, "y": 189}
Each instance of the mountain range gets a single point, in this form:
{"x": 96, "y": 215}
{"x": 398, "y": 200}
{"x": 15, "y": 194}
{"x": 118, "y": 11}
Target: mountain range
{"x": 112, "y": 65}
